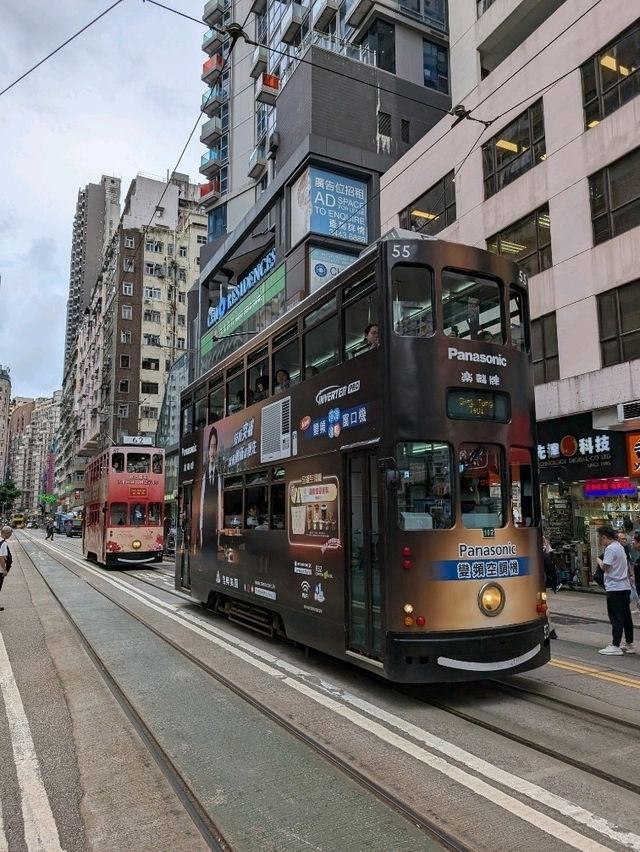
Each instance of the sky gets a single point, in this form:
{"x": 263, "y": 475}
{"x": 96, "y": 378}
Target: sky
{"x": 121, "y": 98}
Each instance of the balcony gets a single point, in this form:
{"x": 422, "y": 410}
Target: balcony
{"x": 213, "y": 12}
{"x": 212, "y": 41}
{"x": 257, "y": 6}
{"x": 359, "y": 12}
{"x": 291, "y": 23}
{"x": 210, "y": 163}
{"x": 267, "y": 88}
{"x": 323, "y": 12}
{"x": 210, "y": 191}
{"x": 213, "y": 100}
{"x": 259, "y": 61}
{"x": 212, "y": 69}
{"x": 257, "y": 162}
{"x": 211, "y": 130}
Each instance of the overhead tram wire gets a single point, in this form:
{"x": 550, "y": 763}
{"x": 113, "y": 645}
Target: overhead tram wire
{"x": 59, "y": 48}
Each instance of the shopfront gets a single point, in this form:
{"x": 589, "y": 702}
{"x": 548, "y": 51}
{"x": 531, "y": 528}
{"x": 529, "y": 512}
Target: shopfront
{"x": 588, "y": 477}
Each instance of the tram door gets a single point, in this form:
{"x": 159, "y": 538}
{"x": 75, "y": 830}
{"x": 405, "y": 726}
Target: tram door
{"x": 183, "y": 531}
{"x": 364, "y": 621}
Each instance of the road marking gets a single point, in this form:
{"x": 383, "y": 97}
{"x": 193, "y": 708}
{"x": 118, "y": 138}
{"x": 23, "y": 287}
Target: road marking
{"x": 40, "y": 830}
{"x": 334, "y": 698}
{"x": 623, "y": 680}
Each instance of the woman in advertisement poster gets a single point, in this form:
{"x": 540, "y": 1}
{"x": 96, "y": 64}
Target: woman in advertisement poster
{"x": 210, "y": 496}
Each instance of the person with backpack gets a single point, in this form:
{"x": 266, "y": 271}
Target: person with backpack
{"x": 5, "y": 554}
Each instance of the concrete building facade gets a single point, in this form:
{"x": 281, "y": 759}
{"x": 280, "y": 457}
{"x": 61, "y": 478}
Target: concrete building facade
{"x": 5, "y": 402}
{"x": 542, "y": 164}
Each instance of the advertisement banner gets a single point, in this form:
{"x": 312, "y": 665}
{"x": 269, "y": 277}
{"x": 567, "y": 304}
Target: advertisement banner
{"x": 324, "y": 265}
{"x": 338, "y": 206}
{"x": 569, "y": 448}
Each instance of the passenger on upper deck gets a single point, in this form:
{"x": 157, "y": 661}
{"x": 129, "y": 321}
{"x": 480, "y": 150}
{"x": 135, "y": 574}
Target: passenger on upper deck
{"x": 282, "y": 380}
{"x": 262, "y": 388}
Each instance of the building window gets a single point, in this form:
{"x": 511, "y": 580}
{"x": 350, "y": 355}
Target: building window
{"x": 129, "y": 242}
{"x": 381, "y": 37}
{"x": 127, "y": 312}
{"x": 127, "y": 288}
{"x": 182, "y": 251}
{"x": 149, "y": 387}
{"x": 125, "y": 337}
{"x": 528, "y": 242}
{"x": 224, "y": 180}
{"x": 150, "y": 363}
{"x": 151, "y": 339}
{"x": 384, "y": 123}
{"x": 517, "y": 148}
{"x": 544, "y": 346}
{"x": 154, "y": 269}
{"x": 182, "y": 297}
{"x": 182, "y": 274}
{"x": 124, "y": 361}
{"x": 151, "y": 316}
{"x": 611, "y": 78}
{"x": 128, "y": 264}
{"x": 615, "y": 198}
{"x": 123, "y": 410}
{"x": 181, "y": 343}
{"x": 434, "y": 210}
{"x": 152, "y": 293}
{"x": 123, "y": 385}
{"x": 182, "y": 319}
{"x": 149, "y": 412}
{"x": 435, "y": 63}
{"x": 201, "y": 239}
{"x": 405, "y": 130}
{"x": 619, "y": 323}
{"x": 170, "y": 249}
{"x": 153, "y": 245}
{"x": 217, "y": 222}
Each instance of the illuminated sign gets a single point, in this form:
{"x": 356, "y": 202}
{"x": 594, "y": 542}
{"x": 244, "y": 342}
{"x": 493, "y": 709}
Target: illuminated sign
{"x": 478, "y": 405}
{"x": 338, "y": 206}
{"x": 633, "y": 453}
{"x": 244, "y": 286}
{"x": 571, "y": 449}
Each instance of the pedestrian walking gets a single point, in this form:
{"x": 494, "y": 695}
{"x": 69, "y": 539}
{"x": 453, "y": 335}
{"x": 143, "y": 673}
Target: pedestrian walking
{"x": 5, "y": 554}
{"x": 550, "y": 579}
{"x": 618, "y": 588}
{"x": 49, "y": 529}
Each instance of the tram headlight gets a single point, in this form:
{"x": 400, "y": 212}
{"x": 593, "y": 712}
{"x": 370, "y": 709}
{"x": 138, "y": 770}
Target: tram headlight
{"x": 136, "y": 544}
{"x": 408, "y": 608}
{"x": 491, "y": 599}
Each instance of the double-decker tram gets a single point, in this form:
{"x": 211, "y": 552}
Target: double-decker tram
{"x": 374, "y": 496}
{"x": 123, "y": 506}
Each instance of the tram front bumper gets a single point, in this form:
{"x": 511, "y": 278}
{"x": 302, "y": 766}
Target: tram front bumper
{"x": 469, "y": 655}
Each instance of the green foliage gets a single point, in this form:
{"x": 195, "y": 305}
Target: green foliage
{"x": 9, "y": 493}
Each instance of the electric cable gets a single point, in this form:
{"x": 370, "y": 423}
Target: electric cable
{"x": 59, "y": 48}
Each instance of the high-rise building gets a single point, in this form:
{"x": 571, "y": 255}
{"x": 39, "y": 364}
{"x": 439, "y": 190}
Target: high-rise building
{"x": 34, "y": 425}
{"x": 5, "y": 400}
{"x": 551, "y": 180}
{"x": 301, "y": 125}
{"x": 135, "y": 324}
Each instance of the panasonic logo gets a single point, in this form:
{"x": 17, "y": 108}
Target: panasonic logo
{"x": 455, "y": 354}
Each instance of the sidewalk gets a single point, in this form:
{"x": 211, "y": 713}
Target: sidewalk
{"x": 584, "y": 602}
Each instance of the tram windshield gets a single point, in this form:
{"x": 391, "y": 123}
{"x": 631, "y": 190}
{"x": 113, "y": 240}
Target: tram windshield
{"x": 481, "y": 492}
{"x": 471, "y": 307}
{"x": 424, "y": 485}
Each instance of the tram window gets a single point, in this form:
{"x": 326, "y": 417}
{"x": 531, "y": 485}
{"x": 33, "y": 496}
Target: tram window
{"x": 412, "y": 300}
{"x": 137, "y": 514}
{"x": 286, "y": 361}
{"x": 233, "y": 509}
{"x": 155, "y": 514}
{"x": 138, "y": 463}
{"x": 523, "y": 500}
{"x": 517, "y": 320}
{"x": 278, "y": 513}
{"x": 258, "y": 376}
{"x": 187, "y": 419}
{"x": 424, "y": 485}
{"x": 235, "y": 394}
{"x": 201, "y": 413}
{"x": 156, "y": 464}
{"x": 357, "y": 316}
{"x": 118, "y": 516}
{"x": 216, "y": 404}
{"x": 117, "y": 460}
{"x": 481, "y": 492}
{"x": 471, "y": 307}
{"x": 256, "y": 500}
{"x": 320, "y": 313}
{"x": 321, "y": 348}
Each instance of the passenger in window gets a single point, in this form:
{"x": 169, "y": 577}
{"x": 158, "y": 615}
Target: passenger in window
{"x": 454, "y": 331}
{"x": 372, "y": 336}
{"x": 252, "y": 516}
{"x": 283, "y": 380}
{"x": 485, "y": 336}
{"x": 262, "y": 388}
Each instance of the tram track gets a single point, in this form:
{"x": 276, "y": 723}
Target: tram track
{"x": 202, "y": 820}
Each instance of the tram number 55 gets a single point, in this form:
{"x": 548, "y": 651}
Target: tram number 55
{"x": 398, "y": 250}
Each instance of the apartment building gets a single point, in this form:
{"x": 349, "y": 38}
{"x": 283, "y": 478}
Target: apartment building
{"x": 32, "y": 430}
{"x": 5, "y": 400}
{"x": 542, "y": 163}
{"x": 329, "y": 94}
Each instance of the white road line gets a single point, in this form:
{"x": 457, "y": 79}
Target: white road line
{"x": 338, "y": 700}
{"x": 40, "y": 830}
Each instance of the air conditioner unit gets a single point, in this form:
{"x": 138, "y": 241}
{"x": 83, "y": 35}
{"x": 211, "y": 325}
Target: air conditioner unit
{"x": 275, "y": 438}
{"x": 628, "y": 411}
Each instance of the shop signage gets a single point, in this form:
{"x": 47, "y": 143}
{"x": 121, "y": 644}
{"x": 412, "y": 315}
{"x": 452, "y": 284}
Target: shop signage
{"x": 325, "y": 265}
{"x": 570, "y": 449}
{"x": 245, "y": 285}
{"x": 633, "y": 453}
{"x": 338, "y": 206}
{"x": 618, "y": 486}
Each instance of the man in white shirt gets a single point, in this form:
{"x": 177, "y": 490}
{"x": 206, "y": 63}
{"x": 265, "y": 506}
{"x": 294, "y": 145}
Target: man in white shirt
{"x": 5, "y": 535}
{"x": 618, "y": 589}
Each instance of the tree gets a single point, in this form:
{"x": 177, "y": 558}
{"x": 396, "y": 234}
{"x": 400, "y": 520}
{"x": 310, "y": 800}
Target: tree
{"x": 9, "y": 493}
